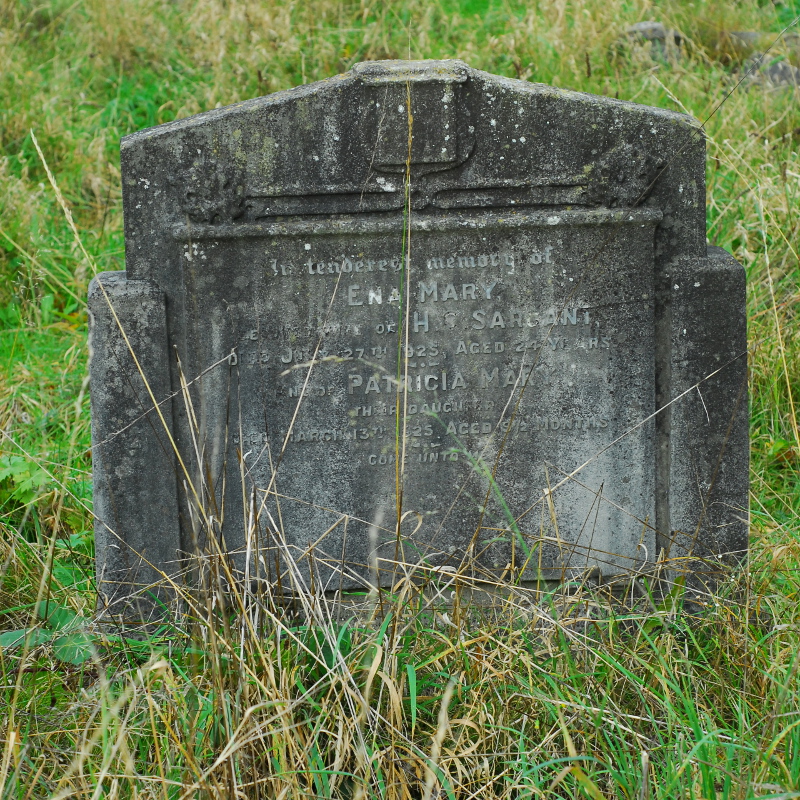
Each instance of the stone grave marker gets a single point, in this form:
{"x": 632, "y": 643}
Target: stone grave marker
{"x": 420, "y": 279}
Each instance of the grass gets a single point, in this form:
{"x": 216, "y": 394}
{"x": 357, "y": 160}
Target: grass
{"x": 571, "y": 696}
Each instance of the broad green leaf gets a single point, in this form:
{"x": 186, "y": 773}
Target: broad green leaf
{"x": 82, "y": 542}
{"x": 25, "y": 475}
{"x": 12, "y": 639}
{"x": 69, "y": 574}
{"x": 75, "y": 647}
{"x": 56, "y": 617}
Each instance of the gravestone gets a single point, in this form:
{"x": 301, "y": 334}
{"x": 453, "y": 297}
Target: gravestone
{"x": 417, "y": 314}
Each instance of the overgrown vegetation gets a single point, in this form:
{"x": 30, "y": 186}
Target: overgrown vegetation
{"x": 251, "y": 701}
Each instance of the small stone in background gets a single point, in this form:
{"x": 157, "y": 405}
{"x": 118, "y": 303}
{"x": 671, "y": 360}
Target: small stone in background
{"x": 771, "y": 74}
{"x": 768, "y": 57}
{"x": 665, "y": 44}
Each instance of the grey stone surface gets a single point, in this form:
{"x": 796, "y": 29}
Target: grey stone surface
{"x": 665, "y": 43}
{"x": 137, "y": 536}
{"x": 496, "y": 342}
{"x": 707, "y": 431}
{"x": 771, "y": 73}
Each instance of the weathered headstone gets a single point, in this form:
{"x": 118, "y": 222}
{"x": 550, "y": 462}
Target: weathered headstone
{"x": 418, "y": 279}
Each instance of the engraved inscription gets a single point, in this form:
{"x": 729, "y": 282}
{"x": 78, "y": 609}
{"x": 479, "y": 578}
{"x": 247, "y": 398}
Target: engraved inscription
{"x": 453, "y": 374}
{"x": 510, "y": 351}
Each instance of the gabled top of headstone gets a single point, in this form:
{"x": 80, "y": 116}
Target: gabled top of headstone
{"x": 480, "y": 141}
{"x": 379, "y": 73}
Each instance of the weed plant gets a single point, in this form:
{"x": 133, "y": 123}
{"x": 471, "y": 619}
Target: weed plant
{"x": 550, "y": 694}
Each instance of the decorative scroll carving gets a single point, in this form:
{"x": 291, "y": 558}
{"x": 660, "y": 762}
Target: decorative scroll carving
{"x": 623, "y": 177}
